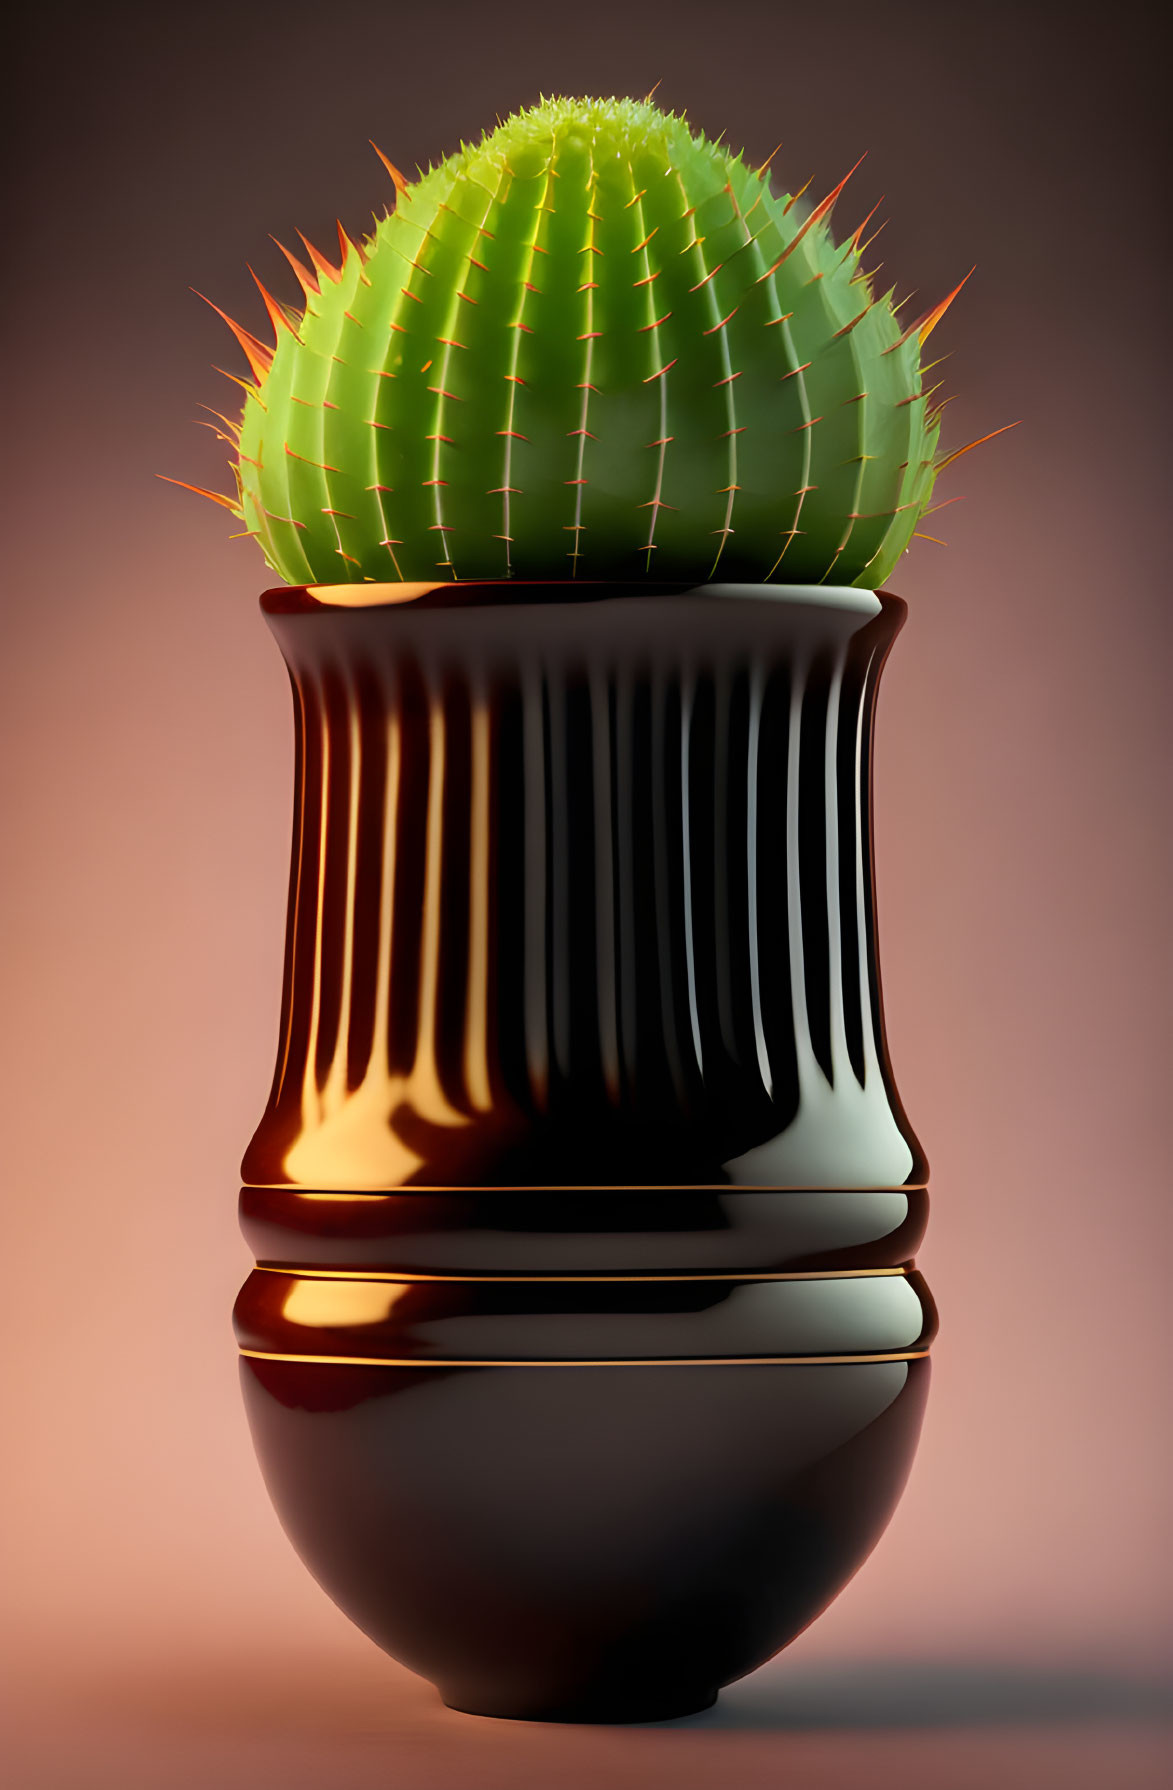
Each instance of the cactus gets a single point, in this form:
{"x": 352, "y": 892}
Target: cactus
{"x": 591, "y": 345}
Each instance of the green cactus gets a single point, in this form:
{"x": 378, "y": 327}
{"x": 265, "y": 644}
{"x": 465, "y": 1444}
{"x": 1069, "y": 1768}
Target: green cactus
{"x": 592, "y": 345}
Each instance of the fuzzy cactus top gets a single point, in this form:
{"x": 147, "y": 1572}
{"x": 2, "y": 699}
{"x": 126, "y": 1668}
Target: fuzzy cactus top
{"x": 592, "y": 345}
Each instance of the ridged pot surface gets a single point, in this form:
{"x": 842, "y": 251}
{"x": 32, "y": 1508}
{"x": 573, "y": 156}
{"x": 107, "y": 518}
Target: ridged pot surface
{"x": 582, "y": 893}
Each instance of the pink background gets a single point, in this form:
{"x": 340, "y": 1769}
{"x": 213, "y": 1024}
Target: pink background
{"x": 161, "y": 1632}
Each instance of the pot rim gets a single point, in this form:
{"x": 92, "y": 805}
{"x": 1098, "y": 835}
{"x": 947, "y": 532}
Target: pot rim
{"x": 293, "y": 599}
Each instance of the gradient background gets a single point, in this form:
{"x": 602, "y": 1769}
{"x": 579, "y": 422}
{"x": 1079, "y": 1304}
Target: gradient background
{"x": 162, "y": 1635}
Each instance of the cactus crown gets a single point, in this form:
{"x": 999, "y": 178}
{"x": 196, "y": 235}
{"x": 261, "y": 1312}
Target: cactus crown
{"x": 591, "y": 345}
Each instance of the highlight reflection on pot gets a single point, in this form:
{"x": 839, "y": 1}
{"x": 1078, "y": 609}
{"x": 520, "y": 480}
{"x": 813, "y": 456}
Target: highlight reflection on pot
{"x": 585, "y": 1354}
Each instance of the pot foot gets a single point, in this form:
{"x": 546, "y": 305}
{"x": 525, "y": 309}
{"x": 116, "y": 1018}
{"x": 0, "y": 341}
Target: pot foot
{"x": 600, "y": 1710}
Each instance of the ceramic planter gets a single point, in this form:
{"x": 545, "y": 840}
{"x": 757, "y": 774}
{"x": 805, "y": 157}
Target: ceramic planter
{"x": 584, "y": 1355}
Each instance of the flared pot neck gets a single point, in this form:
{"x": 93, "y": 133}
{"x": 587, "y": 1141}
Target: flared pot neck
{"x": 496, "y": 593}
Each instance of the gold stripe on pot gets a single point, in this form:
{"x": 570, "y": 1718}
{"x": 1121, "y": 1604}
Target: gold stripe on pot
{"x": 394, "y": 1274}
{"x": 641, "y": 1361}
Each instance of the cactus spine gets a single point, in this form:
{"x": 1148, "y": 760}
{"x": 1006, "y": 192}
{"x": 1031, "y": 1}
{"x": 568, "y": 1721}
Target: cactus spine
{"x": 592, "y": 345}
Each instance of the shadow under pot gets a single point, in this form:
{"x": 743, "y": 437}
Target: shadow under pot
{"x": 584, "y": 1356}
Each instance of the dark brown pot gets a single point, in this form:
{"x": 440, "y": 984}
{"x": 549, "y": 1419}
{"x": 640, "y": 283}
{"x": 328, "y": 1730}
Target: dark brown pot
{"x": 584, "y": 1356}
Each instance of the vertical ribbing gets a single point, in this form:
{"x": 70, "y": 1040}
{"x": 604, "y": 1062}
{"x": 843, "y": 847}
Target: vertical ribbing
{"x": 872, "y": 1018}
{"x": 667, "y": 885}
{"x": 425, "y": 1071}
{"x": 379, "y": 1062}
{"x": 722, "y": 916}
{"x": 794, "y": 915}
{"x": 752, "y": 918}
{"x": 840, "y": 1063}
{"x": 686, "y": 703}
{"x": 520, "y": 899}
{"x": 476, "y": 1033}
{"x": 534, "y": 887}
{"x": 605, "y": 882}
{"x": 625, "y": 883}
{"x": 309, "y": 1086}
{"x": 335, "y": 1088}
{"x": 556, "y": 922}
{"x": 292, "y": 991}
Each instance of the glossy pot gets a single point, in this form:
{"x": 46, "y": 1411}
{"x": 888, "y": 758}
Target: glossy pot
{"x": 584, "y": 1356}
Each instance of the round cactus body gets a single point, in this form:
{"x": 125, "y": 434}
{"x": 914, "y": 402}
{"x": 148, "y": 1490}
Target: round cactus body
{"x": 592, "y": 345}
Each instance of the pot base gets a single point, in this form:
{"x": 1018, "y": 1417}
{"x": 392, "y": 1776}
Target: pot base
{"x": 579, "y": 1542}
{"x": 654, "y": 1704}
